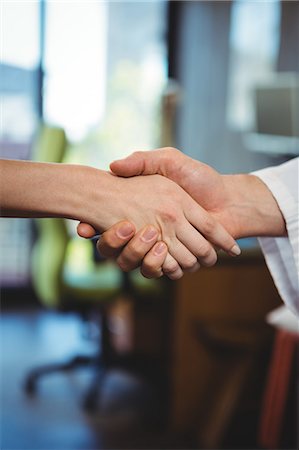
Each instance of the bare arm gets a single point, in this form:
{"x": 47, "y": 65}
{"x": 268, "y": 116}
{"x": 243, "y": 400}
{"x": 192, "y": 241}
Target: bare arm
{"x": 101, "y": 199}
{"x": 32, "y": 189}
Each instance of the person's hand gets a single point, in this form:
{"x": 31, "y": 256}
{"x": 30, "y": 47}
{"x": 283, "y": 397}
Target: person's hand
{"x": 131, "y": 250}
{"x": 204, "y": 184}
{"x": 132, "y": 255}
{"x": 242, "y": 203}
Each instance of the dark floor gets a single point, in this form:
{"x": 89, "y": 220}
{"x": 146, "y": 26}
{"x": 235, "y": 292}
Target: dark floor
{"x": 54, "y": 419}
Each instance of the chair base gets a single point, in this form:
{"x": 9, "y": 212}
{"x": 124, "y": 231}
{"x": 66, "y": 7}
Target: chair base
{"x": 139, "y": 365}
{"x": 90, "y": 400}
{"x": 100, "y": 363}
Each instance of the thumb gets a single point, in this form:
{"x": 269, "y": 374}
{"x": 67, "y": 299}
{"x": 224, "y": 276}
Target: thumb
{"x": 85, "y": 230}
{"x": 139, "y": 163}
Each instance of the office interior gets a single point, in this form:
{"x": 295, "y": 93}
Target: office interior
{"x": 93, "y": 358}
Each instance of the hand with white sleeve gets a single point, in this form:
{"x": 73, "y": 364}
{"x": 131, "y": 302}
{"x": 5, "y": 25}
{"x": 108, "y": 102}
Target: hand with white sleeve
{"x": 241, "y": 203}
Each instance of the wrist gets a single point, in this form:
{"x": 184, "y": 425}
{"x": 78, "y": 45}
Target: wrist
{"x": 88, "y": 195}
{"x": 60, "y": 190}
{"x": 252, "y": 207}
{"x": 34, "y": 189}
{"x": 95, "y": 198}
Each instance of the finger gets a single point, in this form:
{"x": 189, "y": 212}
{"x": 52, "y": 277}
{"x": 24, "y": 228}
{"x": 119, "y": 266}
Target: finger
{"x": 213, "y": 231}
{"x": 113, "y": 240}
{"x": 134, "y": 252}
{"x": 145, "y": 163}
{"x": 171, "y": 268}
{"x": 201, "y": 249}
{"x": 184, "y": 257}
{"x": 153, "y": 261}
{"x": 86, "y": 231}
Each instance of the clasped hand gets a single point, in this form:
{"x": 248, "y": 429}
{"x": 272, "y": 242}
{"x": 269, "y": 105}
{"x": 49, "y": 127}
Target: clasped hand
{"x": 159, "y": 226}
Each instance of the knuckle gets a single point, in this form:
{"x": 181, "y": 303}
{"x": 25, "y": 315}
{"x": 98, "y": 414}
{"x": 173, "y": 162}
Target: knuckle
{"x": 108, "y": 240}
{"x": 151, "y": 268}
{"x": 204, "y": 251}
{"x": 211, "y": 261}
{"x": 175, "y": 276}
{"x": 145, "y": 273}
{"x": 169, "y": 216}
{"x": 195, "y": 268}
{"x": 209, "y": 225}
{"x": 124, "y": 264}
{"x": 150, "y": 273}
{"x": 170, "y": 268}
{"x": 172, "y": 151}
{"x": 172, "y": 155}
{"x": 133, "y": 254}
{"x": 189, "y": 263}
{"x": 130, "y": 258}
{"x": 137, "y": 153}
{"x": 169, "y": 155}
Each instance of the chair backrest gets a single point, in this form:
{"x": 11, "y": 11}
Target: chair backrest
{"x": 47, "y": 261}
{"x": 50, "y": 247}
{"x": 49, "y": 145}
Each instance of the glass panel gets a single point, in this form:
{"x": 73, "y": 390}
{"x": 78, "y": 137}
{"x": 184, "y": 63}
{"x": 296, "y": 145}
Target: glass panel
{"x": 75, "y": 65}
{"x": 18, "y": 84}
{"x": 137, "y": 73}
{"x": 254, "y": 46}
{"x": 104, "y": 83}
{"x": 19, "y": 60}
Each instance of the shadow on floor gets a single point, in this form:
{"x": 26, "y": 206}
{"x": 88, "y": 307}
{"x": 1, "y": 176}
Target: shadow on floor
{"x": 54, "y": 419}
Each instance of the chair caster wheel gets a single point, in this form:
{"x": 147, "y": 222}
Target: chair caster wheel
{"x": 90, "y": 404}
{"x": 30, "y": 386}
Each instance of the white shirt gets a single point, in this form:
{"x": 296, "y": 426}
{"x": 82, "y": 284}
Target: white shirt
{"x": 282, "y": 253}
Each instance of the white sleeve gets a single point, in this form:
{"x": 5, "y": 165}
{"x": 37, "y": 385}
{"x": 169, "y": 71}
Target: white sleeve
{"x": 282, "y": 253}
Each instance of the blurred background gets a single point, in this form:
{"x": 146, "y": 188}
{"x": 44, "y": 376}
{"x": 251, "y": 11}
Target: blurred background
{"x": 92, "y": 358}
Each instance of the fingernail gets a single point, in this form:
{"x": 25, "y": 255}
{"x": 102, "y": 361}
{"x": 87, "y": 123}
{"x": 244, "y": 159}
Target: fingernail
{"x": 235, "y": 250}
{"x": 160, "y": 248}
{"x": 125, "y": 230}
{"x": 149, "y": 234}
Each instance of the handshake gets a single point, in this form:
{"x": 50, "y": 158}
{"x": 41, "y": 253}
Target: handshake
{"x": 169, "y": 213}
{"x": 160, "y": 210}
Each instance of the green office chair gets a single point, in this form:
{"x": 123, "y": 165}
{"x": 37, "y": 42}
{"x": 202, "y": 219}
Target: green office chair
{"x": 60, "y": 284}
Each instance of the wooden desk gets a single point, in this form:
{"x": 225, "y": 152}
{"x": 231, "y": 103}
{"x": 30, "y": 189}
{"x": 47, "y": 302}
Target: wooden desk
{"x": 206, "y": 333}
{"x": 218, "y": 331}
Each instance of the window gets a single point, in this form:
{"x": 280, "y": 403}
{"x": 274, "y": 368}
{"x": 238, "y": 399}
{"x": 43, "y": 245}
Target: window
{"x": 254, "y": 46}
{"x": 75, "y": 65}
{"x": 19, "y": 63}
{"x": 105, "y": 68}
{"x": 104, "y": 83}
{"x": 19, "y": 114}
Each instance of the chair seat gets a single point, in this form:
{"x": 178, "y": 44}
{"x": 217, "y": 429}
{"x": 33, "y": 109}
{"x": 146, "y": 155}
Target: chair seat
{"x": 101, "y": 283}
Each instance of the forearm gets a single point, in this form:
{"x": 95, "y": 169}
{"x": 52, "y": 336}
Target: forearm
{"x": 32, "y": 189}
{"x": 253, "y": 209}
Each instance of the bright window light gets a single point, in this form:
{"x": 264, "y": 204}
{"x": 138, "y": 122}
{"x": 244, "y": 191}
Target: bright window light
{"x": 254, "y": 46}
{"x": 75, "y": 65}
{"x": 19, "y": 24}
